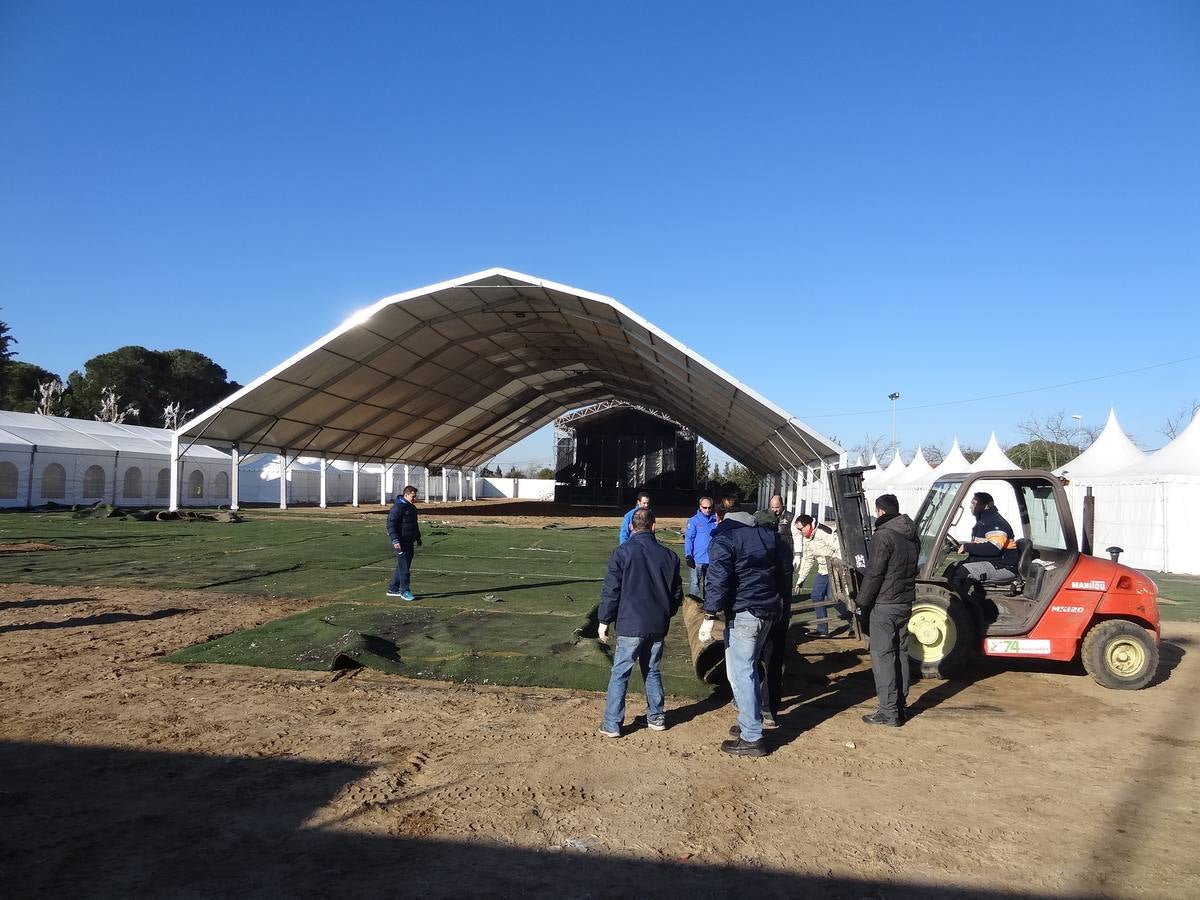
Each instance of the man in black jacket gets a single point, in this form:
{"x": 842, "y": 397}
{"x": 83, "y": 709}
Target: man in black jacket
{"x": 992, "y": 552}
{"x": 405, "y": 533}
{"x": 642, "y": 591}
{"x": 888, "y": 590}
{"x": 749, "y": 575}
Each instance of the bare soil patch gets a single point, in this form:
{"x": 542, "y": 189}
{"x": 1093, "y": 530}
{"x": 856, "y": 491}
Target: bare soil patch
{"x": 122, "y": 774}
{"x": 27, "y": 547}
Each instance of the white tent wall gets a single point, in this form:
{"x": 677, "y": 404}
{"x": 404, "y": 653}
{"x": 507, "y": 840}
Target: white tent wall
{"x": 516, "y": 488}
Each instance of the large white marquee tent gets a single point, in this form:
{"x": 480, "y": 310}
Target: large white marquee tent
{"x": 454, "y": 373}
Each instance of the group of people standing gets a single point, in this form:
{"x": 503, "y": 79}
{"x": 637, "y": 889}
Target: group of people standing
{"x": 741, "y": 568}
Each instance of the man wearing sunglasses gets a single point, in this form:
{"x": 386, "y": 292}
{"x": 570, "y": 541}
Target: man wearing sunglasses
{"x": 696, "y": 538}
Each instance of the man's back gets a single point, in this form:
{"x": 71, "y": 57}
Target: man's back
{"x": 747, "y": 569}
{"x": 642, "y": 588}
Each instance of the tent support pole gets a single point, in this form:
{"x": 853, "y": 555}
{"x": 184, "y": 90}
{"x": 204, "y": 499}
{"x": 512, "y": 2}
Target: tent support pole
{"x": 283, "y": 477}
{"x": 460, "y": 486}
{"x": 235, "y": 466}
{"x": 383, "y": 474}
{"x": 173, "y": 499}
{"x": 427, "y": 482}
{"x": 32, "y": 469}
{"x": 406, "y": 482}
{"x": 324, "y": 467}
{"x": 354, "y": 483}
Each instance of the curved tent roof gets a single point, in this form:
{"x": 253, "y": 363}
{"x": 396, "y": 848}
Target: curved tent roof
{"x": 992, "y": 458}
{"x": 1109, "y": 453}
{"x": 453, "y": 373}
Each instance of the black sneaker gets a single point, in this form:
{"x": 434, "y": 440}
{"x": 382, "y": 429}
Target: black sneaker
{"x": 738, "y": 747}
{"x": 878, "y": 718}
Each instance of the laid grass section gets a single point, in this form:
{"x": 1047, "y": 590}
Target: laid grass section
{"x": 1178, "y": 597}
{"x": 428, "y": 641}
{"x": 496, "y": 603}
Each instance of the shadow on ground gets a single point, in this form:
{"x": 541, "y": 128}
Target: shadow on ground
{"x": 103, "y": 822}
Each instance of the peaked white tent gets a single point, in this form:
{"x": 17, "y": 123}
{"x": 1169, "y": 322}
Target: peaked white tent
{"x": 953, "y": 464}
{"x": 911, "y": 487}
{"x": 1148, "y": 508}
{"x": 1111, "y": 452}
{"x": 992, "y": 458}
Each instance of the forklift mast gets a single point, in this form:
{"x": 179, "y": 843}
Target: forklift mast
{"x": 854, "y": 528}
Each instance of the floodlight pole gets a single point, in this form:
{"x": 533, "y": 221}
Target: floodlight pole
{"x": 894, "y": 396}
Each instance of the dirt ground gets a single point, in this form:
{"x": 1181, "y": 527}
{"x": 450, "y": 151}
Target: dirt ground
{"x": 123, "y": 775}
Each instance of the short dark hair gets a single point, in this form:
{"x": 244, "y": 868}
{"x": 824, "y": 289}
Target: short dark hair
{"x": 642, "y": 494}
{"x": 409, "y": 487}
{"x": 643, "y": 519}
{"x": 804, "y": 520}
{"x": 727, "y": 501}
{"x": 983, "y": 497}
{"x": 887, "y": 503}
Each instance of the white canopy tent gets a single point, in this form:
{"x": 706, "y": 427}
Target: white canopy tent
{"x": 53, "y": 459}
{"x": 1148, "y": 508}
{"x": 453, "y": 373}
{"x": 1111, "y": 452}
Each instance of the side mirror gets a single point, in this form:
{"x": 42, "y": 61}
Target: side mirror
{"x": 1114, "y": 553}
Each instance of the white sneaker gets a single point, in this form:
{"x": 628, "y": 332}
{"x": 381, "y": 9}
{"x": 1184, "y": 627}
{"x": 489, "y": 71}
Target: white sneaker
{"x": 610, "y": 734}
{"x": 657, "y": 724}
{"x": 395, "y": 593}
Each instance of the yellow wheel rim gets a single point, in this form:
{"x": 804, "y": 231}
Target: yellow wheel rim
{"x": 1125, "y": 657}
{"x": 931, "y": 633}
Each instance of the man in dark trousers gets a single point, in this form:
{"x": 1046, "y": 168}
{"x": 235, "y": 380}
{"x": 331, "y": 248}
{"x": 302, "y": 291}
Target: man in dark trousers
{"x": 406, "y": 536}
{"x": 748, "y": 576}
{"x": 642, "y": 591}
{"x": 992, "y": 553}
{"x": 887, "y": 594}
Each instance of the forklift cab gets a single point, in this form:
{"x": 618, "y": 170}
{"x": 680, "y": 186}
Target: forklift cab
{"x": 1035, "y": 505}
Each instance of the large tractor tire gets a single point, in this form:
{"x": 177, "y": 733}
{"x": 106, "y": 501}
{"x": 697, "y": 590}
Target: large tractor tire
{"x": 1120, "y": 655}
{"x": 941, "y": 633}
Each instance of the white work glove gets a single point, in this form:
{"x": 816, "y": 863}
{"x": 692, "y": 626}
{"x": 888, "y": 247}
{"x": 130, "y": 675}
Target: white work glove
{"x": 602, "y": 632}
{"x": 706, "y": 630}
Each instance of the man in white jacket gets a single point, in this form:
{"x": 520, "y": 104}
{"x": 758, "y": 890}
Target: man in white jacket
{"x": 820, "y": 543}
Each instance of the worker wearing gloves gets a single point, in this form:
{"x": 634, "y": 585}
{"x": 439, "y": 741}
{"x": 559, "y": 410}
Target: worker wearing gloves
{"x": 749, "y": 573}
{"x": 642, "y": 591}
{"x": 696, "y": 538}
{"x": 820, "y": 543}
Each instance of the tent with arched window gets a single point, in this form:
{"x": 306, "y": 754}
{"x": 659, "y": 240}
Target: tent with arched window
{"x": 54, "y": 459}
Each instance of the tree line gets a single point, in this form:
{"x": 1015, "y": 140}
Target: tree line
{"x": 130, "y": 384}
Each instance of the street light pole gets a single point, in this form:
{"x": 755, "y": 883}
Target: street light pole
{"x": 894, "y": 396}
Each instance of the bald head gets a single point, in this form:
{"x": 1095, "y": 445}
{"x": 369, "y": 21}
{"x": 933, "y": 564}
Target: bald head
{"x": 776, "y": 504}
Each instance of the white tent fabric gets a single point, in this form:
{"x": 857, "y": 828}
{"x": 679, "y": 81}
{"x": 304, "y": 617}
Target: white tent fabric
{"x": 911, "y": 487}
{"x": 992, "y": 458}
{"x": 892, "y": 474}
{"x": 53, "y": 459}
{"x": 1148, "y": 508}
{"x": 453, "y": 373}
{"x": 953, "y": 464}
{"x": 1111, "y": 452}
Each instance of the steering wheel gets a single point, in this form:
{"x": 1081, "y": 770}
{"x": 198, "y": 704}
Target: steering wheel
{"x": 950, "y": 544}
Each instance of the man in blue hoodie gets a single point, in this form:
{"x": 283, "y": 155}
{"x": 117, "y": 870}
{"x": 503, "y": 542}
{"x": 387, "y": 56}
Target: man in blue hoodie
{"x": 696, "y": 538}
{"x": 643, "y": 502}
{"x": 749, "y": 575}
{"x": 642, "y": 591}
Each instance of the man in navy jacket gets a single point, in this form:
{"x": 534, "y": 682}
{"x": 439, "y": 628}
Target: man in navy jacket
{"x": 642, "y": 591}
{"x": 405, "y": 532}
{"x": 749, "y": 575}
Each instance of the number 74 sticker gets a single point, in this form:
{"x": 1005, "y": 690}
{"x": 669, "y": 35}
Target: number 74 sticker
{"x": 1017, "y": 647}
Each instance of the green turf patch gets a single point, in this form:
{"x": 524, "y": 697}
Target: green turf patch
{"x": 422, "y": 640}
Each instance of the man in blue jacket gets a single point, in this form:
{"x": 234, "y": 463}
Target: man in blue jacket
{"x": 642, "y": 591}
{"x": 696, "y": 538}
{"x": 643, "y": 502}
{"x": 749, "y": 574}
{"x": 405, "y": 533}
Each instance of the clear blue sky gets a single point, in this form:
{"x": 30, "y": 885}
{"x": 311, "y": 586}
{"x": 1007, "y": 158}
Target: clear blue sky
{"x": 830, "y": 201}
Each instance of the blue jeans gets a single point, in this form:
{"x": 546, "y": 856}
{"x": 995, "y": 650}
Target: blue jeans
{"x": 647, "y": 651}
{"x": 696, "y": 580}
{"x": 744, "y": 642}
{"x": 403, "y": 564}
{"x": 821, "y": 592}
